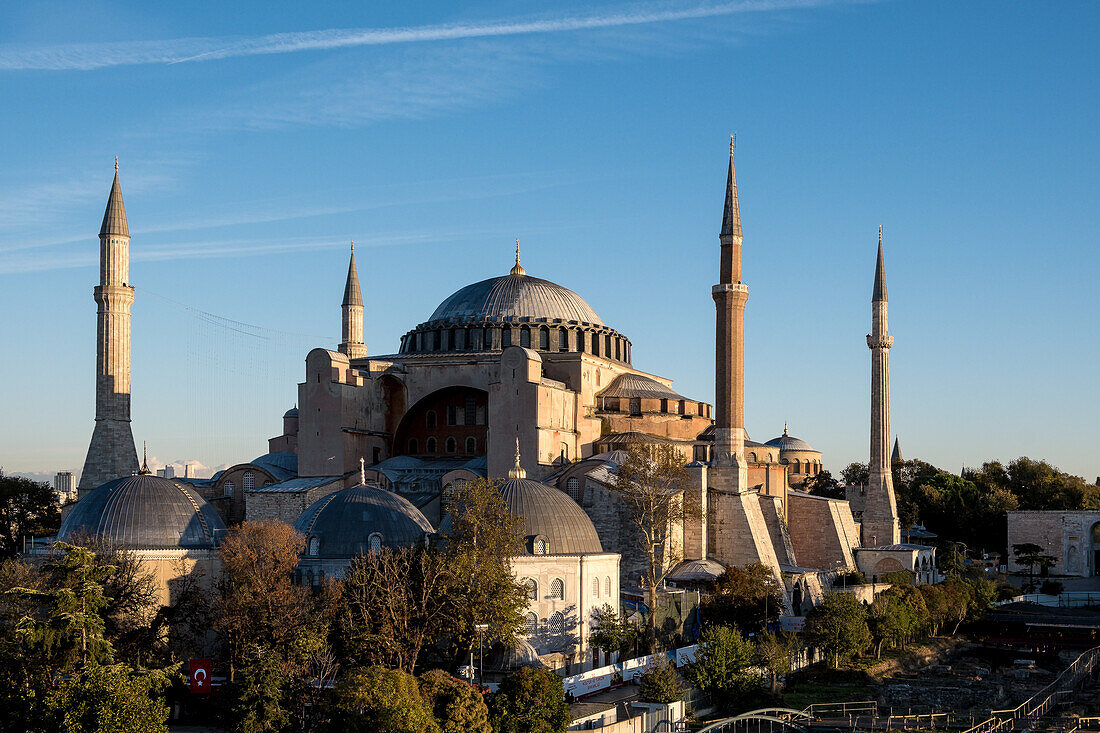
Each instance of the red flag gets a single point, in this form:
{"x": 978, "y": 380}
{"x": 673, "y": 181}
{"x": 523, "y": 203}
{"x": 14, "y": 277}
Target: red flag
{"x": 201, "y": 673}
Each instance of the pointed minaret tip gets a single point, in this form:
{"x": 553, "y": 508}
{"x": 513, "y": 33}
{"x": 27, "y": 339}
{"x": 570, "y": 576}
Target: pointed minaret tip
{"x": 114, "y": 218}
{"x": 144, "y": 460}
{"x": 517, "y": 471}
{"x": 731, "y": 212}
{"x": 517, "y": 269}
{"x": 880, "y": 272}
{"x": 352, "y": 295}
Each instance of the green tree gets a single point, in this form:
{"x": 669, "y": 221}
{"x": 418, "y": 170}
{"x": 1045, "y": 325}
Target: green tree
{"x": 379, "y": 700}
{"x": 856, "y": 474}
{"x": 823, "y": 484}
{"x": 108, "y": 699}
{"x": 530, "y": 701}
{"x": 660, "y": 684}
{"x": 1033, "y": 556}
{"x": 723, "y": 666}
{"x": 259, "y": 693}
{"x": 935, "y": 600}
{"x": 838, "y": 627}
{"x": 611, "y": 632}
{"x": 66, "y": 625}
{"x": 748, "y": 598}
{"x": 652, "y": 483}
{"x": 27, "y": 509}
{"x": 457, "y": 706}
{"x": 775, "y": 652}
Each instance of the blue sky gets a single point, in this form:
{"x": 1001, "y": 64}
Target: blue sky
{"x": 256, "y": 139}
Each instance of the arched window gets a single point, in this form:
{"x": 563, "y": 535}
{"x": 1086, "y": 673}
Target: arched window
{"x": 573, "y": 488}
{"x": 471, "y": 444}
{"x": 540, "y": 546}
{"x": 563, "y": 339}
{"x": 557, "y": 623}
{"x": 452, "y": 445}
{"x": 752, "y": 458}
{"x": 314, "y": 545}
{"x": 582, "y": 341}
{"x": 249, "y": 480}
{"x": 607, "y": 345}
{"x": 374, "y": 542}
{"x": 607, "y": 586}
{"x": 532, "y": 588}
{"x": 488, "y": 338}
{"x": 431, "y": 419}
{"x": 544, "y": 338}
{"x": 429, "y": 444}
{"x": 459, "y": 336}
{"x": 635, "y": 406}
{"x": 469, "y": 409}
{"x": 619, "y": 349}
{"x": 532, "y": 624}
{"x": 227, "y": 488}
{"x": 505, "y": 337}
{"x": 595, "y": 587}
{"x": 525, "y": 337}
{"x": 557, "y": 589}
{"x": 452, "y": 414}
{"x": 595, "y": 344}
{"x": 413, "y": 447}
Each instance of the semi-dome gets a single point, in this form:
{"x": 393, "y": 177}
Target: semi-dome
{"x": 144, "y": 512}
{"x": 342, "y": 524}
{"x": 515, "y": 296}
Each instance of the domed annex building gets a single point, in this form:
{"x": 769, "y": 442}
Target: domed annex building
{"x": 168, "y": 526}
{"x": 358, "y": 520}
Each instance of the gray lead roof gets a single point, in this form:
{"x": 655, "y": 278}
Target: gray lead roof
{"x": 516, "y": 296}
{"x": 114, "y": 218}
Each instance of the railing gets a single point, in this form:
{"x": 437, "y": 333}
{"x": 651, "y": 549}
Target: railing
{"x": 842, "y": 709}
{"x": 1043, "y": 701}
{"x": 1074, "y": 599}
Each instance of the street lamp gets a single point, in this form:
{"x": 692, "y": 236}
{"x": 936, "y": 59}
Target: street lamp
{"x": 481, "y": 629}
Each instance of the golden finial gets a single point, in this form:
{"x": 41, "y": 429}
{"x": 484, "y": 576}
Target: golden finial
{"x": 880, "y": 235}
{"x": 517, "y": 269}
{"x": 362, "y": 471}
{"x": 353, "y": 246}
{"x": 116, "y": 164}
{"x": 733, "y": 143}
{"x": 517, "y": 471}
{"x": 784, "y": 427}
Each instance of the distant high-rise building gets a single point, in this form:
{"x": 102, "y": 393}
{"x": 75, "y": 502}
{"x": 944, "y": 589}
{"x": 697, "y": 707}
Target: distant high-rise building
{"x": 168, "y": 471}
{"x": 65, "y": 485}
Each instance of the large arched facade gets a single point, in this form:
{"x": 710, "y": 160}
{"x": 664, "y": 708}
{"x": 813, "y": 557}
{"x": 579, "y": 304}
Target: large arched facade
{"x": 448, "y": 422}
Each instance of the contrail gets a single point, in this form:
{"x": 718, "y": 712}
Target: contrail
{"x": 87, "y": 56}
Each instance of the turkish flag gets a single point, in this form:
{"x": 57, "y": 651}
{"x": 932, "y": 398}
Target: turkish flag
{"x": 200, "y": 676}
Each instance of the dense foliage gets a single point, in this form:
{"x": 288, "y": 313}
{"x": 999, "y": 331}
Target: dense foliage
{"x": 660, "y": 684}
{"x": 748, "y": 598}
{"x": 27, "y": 509}
{"x": 530, "y": 701}
{"x": 838, "y": 627}
{"x": 723, "y": 667}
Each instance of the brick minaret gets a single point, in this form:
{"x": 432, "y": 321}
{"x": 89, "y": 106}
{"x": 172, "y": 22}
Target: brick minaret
{"x": 880, "y": 513}
{"x": 730, "y": 295}
{"x": 111, "y": 453}
{"x": 352, "y": 311}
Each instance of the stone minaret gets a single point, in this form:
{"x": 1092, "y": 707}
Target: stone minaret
{"x": 111, "y": 453}
{"x": 730, "y": 295}
{"x": 352, "y": 310}
{"x": 880, "y": 513}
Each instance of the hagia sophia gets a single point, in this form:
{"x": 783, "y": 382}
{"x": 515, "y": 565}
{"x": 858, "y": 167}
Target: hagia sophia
{"x": 518, "y": 380}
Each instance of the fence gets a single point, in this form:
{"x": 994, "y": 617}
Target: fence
{"x": 1043, "y": 701}
{"x": 1076, "y": 599}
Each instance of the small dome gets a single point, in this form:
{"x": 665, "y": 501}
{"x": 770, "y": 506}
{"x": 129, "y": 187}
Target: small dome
{"x": 787, "y": 442}
{"x": 145, "y": 512}
{"x": 515, "y": 296}
{"x": 340, "y": 525}
{"x": 292, "y": 412}
{"x": 552, "y": 515}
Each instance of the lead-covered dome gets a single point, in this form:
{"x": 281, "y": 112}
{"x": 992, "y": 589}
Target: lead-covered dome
{"x": 514, "y": 297}
{"x": 144, "y": 512}
{"x": 355, "y": 520}
{"x": 551, "y": 516}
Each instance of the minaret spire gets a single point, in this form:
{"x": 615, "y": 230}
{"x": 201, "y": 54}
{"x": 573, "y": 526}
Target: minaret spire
{"x": 730, "y": 295}
{"x": 111, "y": 453}
{"x": 351, "y": 308}
{"x": 880, "y": 513}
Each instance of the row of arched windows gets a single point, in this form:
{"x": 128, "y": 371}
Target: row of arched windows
{"x": 450, "y": 445}
{"x": 554, "y": 625}
{"x": 557, "y": 588}
{"x": 481, "y": 338}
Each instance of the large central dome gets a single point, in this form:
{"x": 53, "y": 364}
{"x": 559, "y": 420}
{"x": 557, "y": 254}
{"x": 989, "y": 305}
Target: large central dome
{"x": 516, "y": 297}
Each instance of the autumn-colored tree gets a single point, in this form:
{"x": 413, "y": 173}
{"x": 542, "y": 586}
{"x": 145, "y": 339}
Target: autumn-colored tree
{"x": 257, "y": 602}
{"x": 652, "y": 482}
{"x": 749, "y": 598}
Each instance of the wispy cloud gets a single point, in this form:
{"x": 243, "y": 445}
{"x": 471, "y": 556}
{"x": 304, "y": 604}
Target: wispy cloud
{"x": 88, "y": 56}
